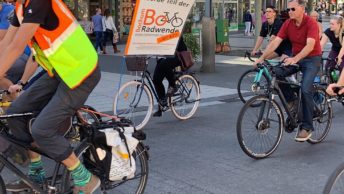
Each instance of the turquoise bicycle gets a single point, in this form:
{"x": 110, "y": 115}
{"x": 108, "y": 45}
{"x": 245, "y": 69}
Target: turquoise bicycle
{"x": 256, "y": 81}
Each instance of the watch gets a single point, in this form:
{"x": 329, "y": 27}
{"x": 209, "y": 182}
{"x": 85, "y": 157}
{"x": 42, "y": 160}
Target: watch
{"x": 20, "y": 82}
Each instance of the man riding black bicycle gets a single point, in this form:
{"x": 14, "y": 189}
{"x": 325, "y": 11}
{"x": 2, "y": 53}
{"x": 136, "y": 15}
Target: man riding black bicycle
{"x": 63, "y": 49}
{"x": 303, "y": 33}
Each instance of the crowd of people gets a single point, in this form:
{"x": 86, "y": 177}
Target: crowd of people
{"x": 102, "y": 26}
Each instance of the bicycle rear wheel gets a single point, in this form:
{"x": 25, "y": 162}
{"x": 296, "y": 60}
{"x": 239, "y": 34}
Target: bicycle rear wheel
{"x": 247, "y": 88}
{"x": 134, "y": 101}
{"x": 260, "y": 128}
{"x": 335, "y": 183}
{"x": 185, "y": 101}
{"x": 322, "y": 118}
{"x": 135, "y": 185}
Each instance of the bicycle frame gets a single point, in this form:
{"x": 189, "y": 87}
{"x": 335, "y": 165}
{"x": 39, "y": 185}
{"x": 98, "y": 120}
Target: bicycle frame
{"x": 262, "y": 70}
{"x": 5, "y": 163}
{"x": 146, "y": 75}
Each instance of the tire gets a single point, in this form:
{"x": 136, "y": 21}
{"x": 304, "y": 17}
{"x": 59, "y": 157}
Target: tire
{"x": 248, "y": 123}
{"x": 141, "y": 158}
{"x": 176, "y": 22}
{"x": 335, "y": 183}
{"x": 185, "y": 101}
{"x": 323, "y": 116}
{"x": 2, "y": 186}
{"x": 143, "y": 101}
{"x": 245, "y": 85}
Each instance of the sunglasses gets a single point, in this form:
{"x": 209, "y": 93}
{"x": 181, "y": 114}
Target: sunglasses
{"x": 291, "y": 9}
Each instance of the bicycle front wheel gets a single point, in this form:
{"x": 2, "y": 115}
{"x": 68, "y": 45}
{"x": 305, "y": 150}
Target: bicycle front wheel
{"x": 135, "y": 185}
{"x": 260, "y": 128}
{"x": 247, "y": 88}
{"x": 185, "y": 101}
{"x": 134, "y": 101}
{"x": 335, "y": 183}
{"x": 322, "y": 118}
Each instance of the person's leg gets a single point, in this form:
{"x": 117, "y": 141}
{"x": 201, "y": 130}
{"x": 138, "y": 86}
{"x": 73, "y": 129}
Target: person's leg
{"x": 45, "y": 128}
{"x": 105, "y": 38}
{"x": 281, "y": 74}
{"x": 32, "y": 100}
{"x": 158, "y": 77}
{"x": 309, "y": 67}
{"x": 97, "y": 45}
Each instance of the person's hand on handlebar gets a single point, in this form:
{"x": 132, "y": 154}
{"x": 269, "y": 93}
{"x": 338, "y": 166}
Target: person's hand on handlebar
{"x": 289, "y": 61}
{"x": 258, "y": 61}
{"x": 253, "y": 53}
{"x": 15, "y": 88}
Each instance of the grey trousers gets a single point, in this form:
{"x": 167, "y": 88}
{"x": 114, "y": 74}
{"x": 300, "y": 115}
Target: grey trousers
{"x": 55, "y": 102}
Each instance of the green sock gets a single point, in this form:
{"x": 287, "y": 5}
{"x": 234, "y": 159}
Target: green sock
{"x": 36, "y": 170}
{"x": 80, "y": 174}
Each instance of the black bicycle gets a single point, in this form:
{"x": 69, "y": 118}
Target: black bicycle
{"x": 82, "y": 130}
{"x": 260, "y": 128}
{"x": 134, "y": 99}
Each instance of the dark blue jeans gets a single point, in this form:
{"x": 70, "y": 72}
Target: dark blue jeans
{"x": 309, "y": 67}
{"x": 99, "y": 39}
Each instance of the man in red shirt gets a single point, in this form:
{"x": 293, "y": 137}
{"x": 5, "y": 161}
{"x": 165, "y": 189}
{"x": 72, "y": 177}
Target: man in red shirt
{"x": 303, "y": 33}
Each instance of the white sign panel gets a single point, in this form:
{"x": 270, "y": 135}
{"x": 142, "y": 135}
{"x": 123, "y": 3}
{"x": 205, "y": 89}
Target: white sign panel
{"x": 157, "y": 26}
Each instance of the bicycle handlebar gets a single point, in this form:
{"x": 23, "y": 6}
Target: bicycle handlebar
{"x": 248, "y": 55}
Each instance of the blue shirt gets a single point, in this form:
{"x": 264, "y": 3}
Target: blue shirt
{"x": 97, "y": 23}
{"x": 6, "y": 9}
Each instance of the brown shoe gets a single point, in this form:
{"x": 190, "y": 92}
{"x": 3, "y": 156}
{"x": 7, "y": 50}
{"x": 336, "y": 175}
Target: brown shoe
{"x": 89, "y": 188}
{"x": 303, "y": 135}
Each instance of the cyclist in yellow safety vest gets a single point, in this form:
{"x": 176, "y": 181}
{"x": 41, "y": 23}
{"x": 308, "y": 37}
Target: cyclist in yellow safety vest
{"x": 63, "y": 49}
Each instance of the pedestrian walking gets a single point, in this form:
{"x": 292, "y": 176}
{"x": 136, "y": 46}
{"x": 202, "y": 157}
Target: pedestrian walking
{"x": 97, "y": 27}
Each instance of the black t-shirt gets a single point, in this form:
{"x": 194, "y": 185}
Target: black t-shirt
{"x": 273, "y": 29}
{"x": 38, "y": 12}
{"x": 269, "y": 30}
{"x": 335, "y": 41}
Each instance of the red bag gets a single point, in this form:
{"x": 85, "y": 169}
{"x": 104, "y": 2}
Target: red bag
{"x": 186, "y": 59}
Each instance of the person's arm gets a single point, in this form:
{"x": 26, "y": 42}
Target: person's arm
{"x": 302, "y": 54}
{"x": 12, "y": 30}
{"x": 16, "y": 47}
{"x": 272, "y": 46}
{"x": 113, "y": 25}
{"x": 2, "y": 34}
{"x": 30, "y": 68}
{"x": 259, "y": 43}
{"x": 323, "y": 41}
{"x": 340, "y": 55}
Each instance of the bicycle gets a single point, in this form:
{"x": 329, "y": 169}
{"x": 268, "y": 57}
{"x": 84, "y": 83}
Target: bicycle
{"x": 255, "y": 81}
{"x": 60, "y": 181}
{"x": 134, "y": 99}
{"x": 335, "y": 182}
{"x": 175, "y": 20}
{"x": 260, "y": 137}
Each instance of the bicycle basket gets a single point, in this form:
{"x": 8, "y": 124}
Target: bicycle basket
{"x": 135, "y": 63}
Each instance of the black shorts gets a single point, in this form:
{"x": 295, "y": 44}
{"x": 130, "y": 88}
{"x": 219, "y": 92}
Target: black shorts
{"x": 282, "y": 50}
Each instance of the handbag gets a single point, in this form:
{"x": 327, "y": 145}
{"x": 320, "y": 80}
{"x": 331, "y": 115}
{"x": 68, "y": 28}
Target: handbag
{"x": 115, "y": 37}
{"x": 186, "y": 59}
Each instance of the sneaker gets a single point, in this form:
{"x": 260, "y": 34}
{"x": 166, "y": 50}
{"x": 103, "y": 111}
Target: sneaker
{"x": 89, "y": 188}
{"x": 303, "y": 135}
{"x": 157, "y": 113}
{"x": 171, "y": 91}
